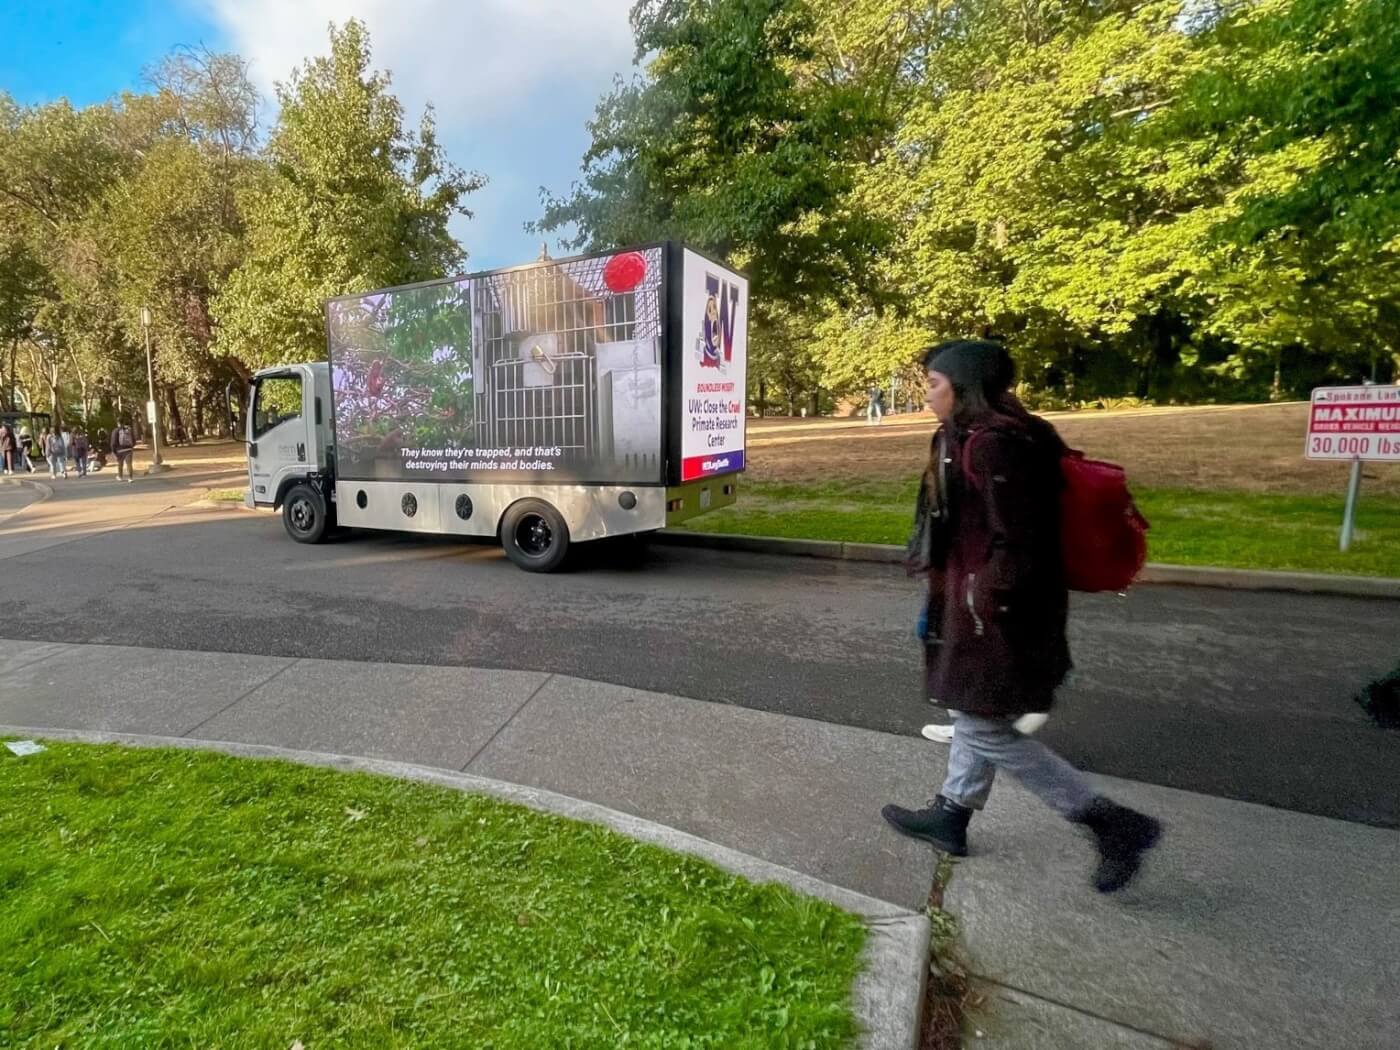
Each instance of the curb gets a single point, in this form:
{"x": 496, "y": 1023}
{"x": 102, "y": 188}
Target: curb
{"x": 1153, "y": 573}
{"x": 888, "y": 993}
{"x": 1268, "y": 580}
{"x": 45, "y": 492}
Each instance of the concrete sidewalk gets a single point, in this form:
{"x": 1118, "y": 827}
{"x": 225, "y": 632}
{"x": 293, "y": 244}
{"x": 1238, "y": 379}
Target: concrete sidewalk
{"x": 1252, "y": 927}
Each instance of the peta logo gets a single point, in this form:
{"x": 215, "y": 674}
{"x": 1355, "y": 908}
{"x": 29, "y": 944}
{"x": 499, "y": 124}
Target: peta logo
{"x": 714, "y": 464}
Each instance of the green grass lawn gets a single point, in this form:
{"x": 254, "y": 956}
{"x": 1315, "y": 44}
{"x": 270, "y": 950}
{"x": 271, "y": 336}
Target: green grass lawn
{"x": 172, "y": 898}
{"x": 1237, "y": 529}
{"x": 226, "y": 495}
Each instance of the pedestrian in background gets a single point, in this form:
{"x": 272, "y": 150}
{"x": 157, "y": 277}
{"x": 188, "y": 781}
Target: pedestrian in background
{"x": 57, "y": 451}
{"x": 122, "y": 444}
{"x": 67, "y": 446}
{"x": 875, "y": 410}
{"x": 100, "y": 444}
{"x": 996, "y": 648}
{"x": 9, "y": 449}
{"x": 80, "y": 452}
{"x": 26, "y": 449}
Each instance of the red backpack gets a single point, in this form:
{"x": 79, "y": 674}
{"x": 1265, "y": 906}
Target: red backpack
{"x": 1103, "y": 535}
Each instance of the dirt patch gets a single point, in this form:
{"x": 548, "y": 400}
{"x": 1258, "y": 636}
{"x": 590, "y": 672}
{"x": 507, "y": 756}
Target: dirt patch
{"x": 1250, "y": 448}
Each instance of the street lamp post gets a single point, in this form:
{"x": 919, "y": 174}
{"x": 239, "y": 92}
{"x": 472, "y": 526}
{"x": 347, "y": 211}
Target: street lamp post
{"x": 157, "y": 464}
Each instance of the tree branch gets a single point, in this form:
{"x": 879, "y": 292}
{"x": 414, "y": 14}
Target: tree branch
{"x": 31, "y": 204}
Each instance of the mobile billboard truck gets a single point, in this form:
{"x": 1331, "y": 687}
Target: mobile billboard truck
{"x": 548, "y": 404}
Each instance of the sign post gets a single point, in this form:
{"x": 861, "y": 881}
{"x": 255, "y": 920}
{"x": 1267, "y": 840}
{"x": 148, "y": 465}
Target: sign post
{"x": 157, "y": 465}
{"x": 1358, "y": 424}
{"x": 1349, "y": 515}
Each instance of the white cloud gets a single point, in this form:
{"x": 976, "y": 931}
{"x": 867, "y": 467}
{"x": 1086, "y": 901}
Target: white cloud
{"x": 469, "y": 57}
{"x": 512, "y": 83}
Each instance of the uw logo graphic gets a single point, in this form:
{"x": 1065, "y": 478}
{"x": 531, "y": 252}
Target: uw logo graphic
{"x": 715, "y": 347}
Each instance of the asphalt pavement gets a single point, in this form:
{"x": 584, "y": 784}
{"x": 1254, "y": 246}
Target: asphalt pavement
{"x": 1240, "y": 695}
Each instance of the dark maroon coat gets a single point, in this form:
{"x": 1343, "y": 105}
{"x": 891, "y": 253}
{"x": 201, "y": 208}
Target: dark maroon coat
{"x": 997, "y": 596}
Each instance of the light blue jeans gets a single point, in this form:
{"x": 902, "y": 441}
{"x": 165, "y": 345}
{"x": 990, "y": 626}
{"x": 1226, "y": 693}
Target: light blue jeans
{"x": 982, "y": 745}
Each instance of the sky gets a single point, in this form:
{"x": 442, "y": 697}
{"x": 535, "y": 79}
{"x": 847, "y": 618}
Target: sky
{"x": 512, "y": 81}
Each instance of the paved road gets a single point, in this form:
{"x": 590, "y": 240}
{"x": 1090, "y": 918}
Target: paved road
{"x": 1246, "y": 696}
{"x": 15, "y": 497}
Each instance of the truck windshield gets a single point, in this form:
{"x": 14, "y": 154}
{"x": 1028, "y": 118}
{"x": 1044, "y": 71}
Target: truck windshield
{"x": 278, "y": 400}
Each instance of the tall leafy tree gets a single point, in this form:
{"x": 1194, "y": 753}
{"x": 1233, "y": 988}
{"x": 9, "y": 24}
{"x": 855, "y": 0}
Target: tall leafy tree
{"x": 1300, "y": 95}
{"x": 739, "y": 138}
{"x": 350, "y": 201}
{"x": 55, "y": 162}
{"x": 173, "y": 231}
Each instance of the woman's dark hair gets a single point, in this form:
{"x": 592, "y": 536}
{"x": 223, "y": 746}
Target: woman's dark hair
{"x": 981, "y": 372}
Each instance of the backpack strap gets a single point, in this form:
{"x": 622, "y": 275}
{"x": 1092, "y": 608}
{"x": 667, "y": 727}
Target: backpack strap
{"x": 965, "y": 458}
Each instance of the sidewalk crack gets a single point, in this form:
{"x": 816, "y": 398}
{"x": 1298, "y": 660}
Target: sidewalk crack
{"x": 241, "y": 697}
{"x": 1170, "y": 1041}
{"x": 506, "y": 724}
{"x": 64, "y": 647}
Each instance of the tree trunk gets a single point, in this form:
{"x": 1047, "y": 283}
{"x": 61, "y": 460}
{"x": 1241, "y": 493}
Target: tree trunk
{"x": 11, "y": 400}
{"x": 177, "y": 423}
{"x": 762, "y": 398}
{"x": 1276, "y": 392}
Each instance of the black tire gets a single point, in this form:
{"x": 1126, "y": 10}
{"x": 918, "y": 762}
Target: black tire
{"x": 304, "y": 514}
{"x": 535, "y": 536}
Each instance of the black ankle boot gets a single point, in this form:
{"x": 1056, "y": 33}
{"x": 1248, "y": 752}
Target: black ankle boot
{"x": 1123, "y": 836}
{"x": 943, "y": 823}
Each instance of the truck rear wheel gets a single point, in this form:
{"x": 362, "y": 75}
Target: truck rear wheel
{"x": 535, "y": 536}
{"x": 304, "y": 514}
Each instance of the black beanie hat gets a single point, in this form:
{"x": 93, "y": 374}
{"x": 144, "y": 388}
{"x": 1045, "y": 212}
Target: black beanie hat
{"x": 973, "y": 364}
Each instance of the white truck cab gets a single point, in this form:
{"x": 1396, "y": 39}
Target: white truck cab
{"x": 291, "y": 445}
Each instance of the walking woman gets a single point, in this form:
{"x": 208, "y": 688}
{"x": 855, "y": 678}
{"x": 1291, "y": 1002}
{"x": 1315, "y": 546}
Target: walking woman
{"x": 996, "y": 648}
{"x": 57, "y": 451}
{"x": 9, "y": 449}
{"x": 26, "y": 448}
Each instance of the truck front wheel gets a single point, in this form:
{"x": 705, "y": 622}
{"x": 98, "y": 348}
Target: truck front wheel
{"x": 304, "y": 514}
{"x": 535, "y": 536}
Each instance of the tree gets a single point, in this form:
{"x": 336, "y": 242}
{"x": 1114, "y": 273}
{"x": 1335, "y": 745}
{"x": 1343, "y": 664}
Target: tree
{"x": 54, "y": 164}
{"x": 173, "y": 231}
{"x": 1016, "y": 175}
{"x": 350, "y": 202}
{"x": 1299, "y": 96}
{"x": 731, "y": 140}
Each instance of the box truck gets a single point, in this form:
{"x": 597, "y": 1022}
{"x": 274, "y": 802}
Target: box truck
{"x": 548, "y": 404}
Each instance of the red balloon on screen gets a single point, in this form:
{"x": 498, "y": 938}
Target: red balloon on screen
{"x": 624, "y": 272}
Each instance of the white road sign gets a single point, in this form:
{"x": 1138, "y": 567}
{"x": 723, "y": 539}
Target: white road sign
{"x": 1355, "y": 422}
